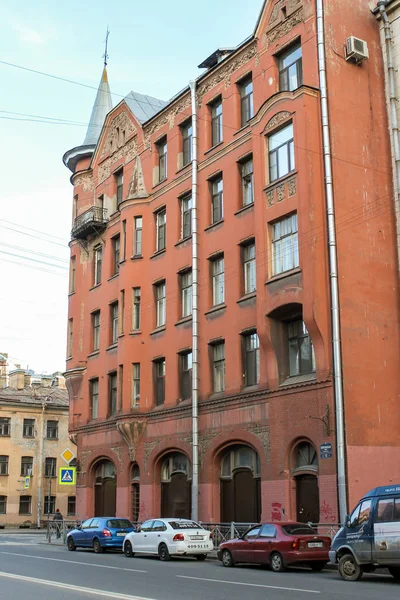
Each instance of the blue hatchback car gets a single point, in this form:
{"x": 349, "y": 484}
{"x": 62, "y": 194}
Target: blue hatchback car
{"x": 99, "y": 533}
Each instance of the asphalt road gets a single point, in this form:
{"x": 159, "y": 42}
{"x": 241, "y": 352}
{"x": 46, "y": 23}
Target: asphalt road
{"x": 31, "y": 569}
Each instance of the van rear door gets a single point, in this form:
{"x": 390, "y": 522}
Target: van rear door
{"x": 387, "y": 531}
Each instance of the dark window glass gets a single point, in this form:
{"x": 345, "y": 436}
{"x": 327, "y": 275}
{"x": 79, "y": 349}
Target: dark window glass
{"x": 217, "y": 211}
{"x": 135, "y": 384}
{"x": 161, "y": 222}
{"x": 29, "y": 428}
{"x": 161, "y": 308}
{"x": 219, "y": 367}
{"x": 186, "y": 375}
{"x": 187, "y": 132}
{"x": 50, "y": 469}
{"x": 137, "y": 249}
{"x": 72, "y": 274}
{"x": 119, "y": 179}
{"x": 246, "y": 100}
{"x": 3, "y": 505}
{"x": 135, "y": 502}
{"x": 253, "y": 533}
{"x": 249, "y": 268}
{"x": 186, "y": 217}
{"x": 49, "y": 505}
{"x": 247, "y": 182}
{"x": 290, "y": 69}
{"x": 298, "y": 529}
{"x": 251, "y": 359}
{"x": 159, "y": 372}
{"x": 136, "y": 309}
{"x": 119, "y": 524}
{"x": 94, "y": 397}
{"x": 186, "y": 291}
{"x": 26, "y": 465}
{"x": 71, "y": 508}
{"x": 25, "y": 503}
{"x": 162, "y": 159}
{"x": 216, "y": 122}
{"x": 268, "y": 531}
{"x": 96, "y": 330}
{"x": 3, "y": 464}
{"x": 5, "y": 426}
{"x": 301, "y": 351}
{"x": 52, "y": 430}
{"x": 185, "y": 525}
{"x": 114, "y": 322}
{"x": 112, "y": 393}
{"x": 98, "y": 254}
{"x": 116, "y": 253}
{"x": 281, "y": 153}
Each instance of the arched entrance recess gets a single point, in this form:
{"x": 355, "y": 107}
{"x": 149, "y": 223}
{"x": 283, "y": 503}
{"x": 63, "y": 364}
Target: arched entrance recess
{"x": 306, "y": 476}
{"x": 105, "y": 489}
{"x": 135, "y": 492}
{"x": 240, "y": 485}
{"x": 176, "y": 486}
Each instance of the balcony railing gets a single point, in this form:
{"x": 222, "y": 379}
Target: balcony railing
{"x": 92, "y": 221}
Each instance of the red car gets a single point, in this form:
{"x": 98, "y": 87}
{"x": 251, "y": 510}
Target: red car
{"x": 278, "y": 545}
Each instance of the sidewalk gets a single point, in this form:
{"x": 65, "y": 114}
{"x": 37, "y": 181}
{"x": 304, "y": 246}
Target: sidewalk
{"x": 12, "y": 531}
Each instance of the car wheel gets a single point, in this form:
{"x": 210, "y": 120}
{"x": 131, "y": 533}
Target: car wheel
{"x": 163, "y": 552}
{"x": 349, "y": 569}
{"x": 71, "y": 544}
{"x": 128, "y": 550}
{"x": 97, "y": 547}
{"x": 317, "y": 566}
{"x": 395, "y": 572}
{"x": 227, "y": 559}
{"x": 277, "y": 564}
{"x": 201, "y": 556}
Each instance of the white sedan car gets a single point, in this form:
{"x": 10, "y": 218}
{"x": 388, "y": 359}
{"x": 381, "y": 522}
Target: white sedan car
{"x": 169, "y": 537}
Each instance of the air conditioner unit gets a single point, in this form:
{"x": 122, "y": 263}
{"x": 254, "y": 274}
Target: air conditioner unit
{"x": 356, "y": 50}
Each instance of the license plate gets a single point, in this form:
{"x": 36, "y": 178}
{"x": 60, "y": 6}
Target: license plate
{"x": 121, "y": 534}
{"x": 197, "y": 546}
{"x": 315, "y": 544}
{"x": 196, "y": 537}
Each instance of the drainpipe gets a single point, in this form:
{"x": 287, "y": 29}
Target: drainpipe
{"x": 40, "y": 470}
{"x": 195, "y": 316}
{"x": 333, "y": 269}
{"x": 394, "y": 124}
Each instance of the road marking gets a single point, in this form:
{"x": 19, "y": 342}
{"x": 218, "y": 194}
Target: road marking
{"x": 270, "y": 587}
{"x": 74, "y": 562}
{"x": 72, "y": 588}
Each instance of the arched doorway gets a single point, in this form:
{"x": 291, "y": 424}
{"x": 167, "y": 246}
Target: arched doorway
{"x": 306, "y": 476}
{"x": 105, "y": 489}
{"x": 135, "y": 492}
{"x": 240, "y": 485}
{"x": 176, "y": 486}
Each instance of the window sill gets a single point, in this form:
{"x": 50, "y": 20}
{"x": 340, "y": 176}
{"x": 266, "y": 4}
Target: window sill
{"x": 135, "y": 332}
{"x": 216, "y": 309}
{"x": 220, "y": 222}
{"x": 244, "y": 209}
{"x": 137, "y": 257}
{"x": 71, "y": 294}
{"x": 158, "y": 253}
{"x": 4, "y": 474}
{"x": 294, "y": 379}
{"x": 121, "y": 262}
{"x": 183, "y": 168}
{"x": 243, "y": 127}
{"x": 51, "y": 440}
{"x": 50, "y": 476}
{"x": 159, "y": 183}
{"x": 184, "y": 320}
{"x": 183, "y": 240}
{"x": 95, "y": 286}
{"x": 213, "y": 147}
{"x": 5, "y": 435}
{"x": 246, "y": 297}
{"x": 113, "y": 277}
{"x": 272, "y": 184}
{"x": 121, "y": 335}
{"x": 283, "y": 275}
{"x": 112, "y": 347}
{"x": 68, "y": 358}
{"x": 157, "y": 330}
{"x": 94, "y": 353}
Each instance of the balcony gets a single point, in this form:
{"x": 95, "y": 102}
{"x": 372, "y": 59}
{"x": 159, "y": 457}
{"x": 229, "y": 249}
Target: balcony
{"x": 91, "y": 222}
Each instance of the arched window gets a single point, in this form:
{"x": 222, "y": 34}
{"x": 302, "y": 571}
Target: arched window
{"x": 175, "y": 486}
{"x": 135, "y": 489}
{"x": 176, "y": 462}
{"x": 240, "y": 457}
{"x": 306, "y": 457}
{"x": 240, "y": 485}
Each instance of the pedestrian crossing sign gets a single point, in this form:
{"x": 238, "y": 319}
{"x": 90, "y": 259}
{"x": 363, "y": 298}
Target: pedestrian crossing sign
{"x": 27, "y": 482}
{"x": 67, "y": 476}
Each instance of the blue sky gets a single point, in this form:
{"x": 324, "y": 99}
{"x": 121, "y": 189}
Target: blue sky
{"x": 154, "y": 48}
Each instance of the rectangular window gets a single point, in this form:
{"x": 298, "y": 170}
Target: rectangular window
{"x": 249, "y": 268}
{"x": 218, "y": 281}
{"x": 136, "y": 385}
{"x": 3, "y": 505}
{"x": 247, "y": 182}
{"x": 246, "y": 100}
{"x": 123, "y": 240}
{"x": 49, "y": 505}
{"x": 72, "y": 274}
{"x": 186, "y": 291}
{"x": 94, "y": 397}
{"x": 281, "y": 153}
{"x": 219, "y": 367}
{"x": 26, "y": 465}
{"x": 119, "y": 180}
{"x": 52, "y": 430}
{"x": 71, "y": 507}
{"x": 116, "y": 247}
{"x": 160, "y": 304}
{"x": 216, "y": 122}
{"x": 301, "y": 351}
{"x": 70, "y": 337}
{"x": 186, "y": 217}
{"x": 217, "y": 210}
{"x": 187, "y": 132}
{"x": 96, "y": 330}
{"x": 161, "y": 224}
{"x": 137, "y": 243}
{"x": 3, "y": 464}
{"x": 120, "y": 387}
{"x": 5, "y": 426}
{"x": 114, "y": 322}
{"x": 285, "y": 249}
{"x": 29, "y": 428}
{"x": 159, "y": 380}
{"x": 290, "y": 69}
{"x": 185, "y": 375}
{"x": 112, "y": 393}
{"x": 251, "y": 359}
{"x": 136, "y": 309}
{"x": 98, "y": 256}
{"x": 25, "y": 505}
{"x": 50, "y": 468}
{"x": 162, "y": 159}
{"x": 122, "y": 315}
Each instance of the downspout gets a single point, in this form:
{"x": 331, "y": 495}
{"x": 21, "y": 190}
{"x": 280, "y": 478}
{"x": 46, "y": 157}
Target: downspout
{"x": 40, "y": 470}
{"x": 394, "y": 124}
{"x": 195, "y": 316}
{"x": 333, "y": 269}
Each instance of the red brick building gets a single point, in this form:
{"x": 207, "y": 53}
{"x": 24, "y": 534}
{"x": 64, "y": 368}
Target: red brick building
{"x": 266, "y": 396}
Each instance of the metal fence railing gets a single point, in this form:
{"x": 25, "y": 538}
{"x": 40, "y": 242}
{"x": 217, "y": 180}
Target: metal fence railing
{"x": 59, "y": 530}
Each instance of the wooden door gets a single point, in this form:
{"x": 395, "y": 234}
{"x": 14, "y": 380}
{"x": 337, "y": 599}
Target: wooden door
{"x": 307, "y": 498}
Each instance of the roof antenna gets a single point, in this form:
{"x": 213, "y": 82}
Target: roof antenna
{"x": 105, "y": 55}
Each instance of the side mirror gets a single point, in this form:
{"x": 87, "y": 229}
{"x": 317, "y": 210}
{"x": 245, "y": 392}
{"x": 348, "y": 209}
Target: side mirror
{"x": 347, "y": 521}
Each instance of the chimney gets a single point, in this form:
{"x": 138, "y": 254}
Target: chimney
{"x": 46, "y": 380}
{"x": 27, "y": 379}
{"x": 17, "y": 379}
{"x": 58, "y": 381}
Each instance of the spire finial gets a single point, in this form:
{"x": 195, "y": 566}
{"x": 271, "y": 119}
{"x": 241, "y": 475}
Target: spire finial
{"x": 105, "y": 55}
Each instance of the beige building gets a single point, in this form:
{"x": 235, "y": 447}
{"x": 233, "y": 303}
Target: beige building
{"x": 33, "y": 435}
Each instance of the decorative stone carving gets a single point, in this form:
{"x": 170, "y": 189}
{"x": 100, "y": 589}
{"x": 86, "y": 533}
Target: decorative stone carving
{"x": 292, "y": 186}
{"x": 270, "y": 198}
{"x": 263, "y": 434}
{"x": 225, "y": 72}
{"x": 118, "y": 452}
{"x": 186, "y": 438}
{"x": 277, "y": 120}
{"x": 148, "y": 449}
{"x": 128, "y": 151}
{"x": 137, "y": 188}
{"x": 132, "y": 431}
{"x": 204, "y": 441}
{"x": 119, "y": 130}
{"x": 83, "y": 459}
{"x": 277, "y": 15}
{"x": 86, "y": 181}
{"x": 280, "y": 193}
{"x": 285, "y": 26}
{"x": 168, "y": 116}
{"x": 74, "y": 438}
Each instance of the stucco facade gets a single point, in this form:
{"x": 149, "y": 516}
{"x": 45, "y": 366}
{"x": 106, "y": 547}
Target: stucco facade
{"x": 285, "y": 411}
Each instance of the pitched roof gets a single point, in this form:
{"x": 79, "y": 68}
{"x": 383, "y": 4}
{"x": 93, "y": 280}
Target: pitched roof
{"x": 55, "y": 397}
{"x": 143, "y": 107}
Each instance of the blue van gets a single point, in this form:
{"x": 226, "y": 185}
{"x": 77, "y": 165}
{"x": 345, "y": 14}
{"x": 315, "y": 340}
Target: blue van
{"x": 370, "y": 537}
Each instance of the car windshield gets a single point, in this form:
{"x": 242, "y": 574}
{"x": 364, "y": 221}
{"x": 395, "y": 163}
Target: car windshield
{"x": 298, "y": 529}
{"x": 119, "y": 524}
{"x": 185, "y": 525}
